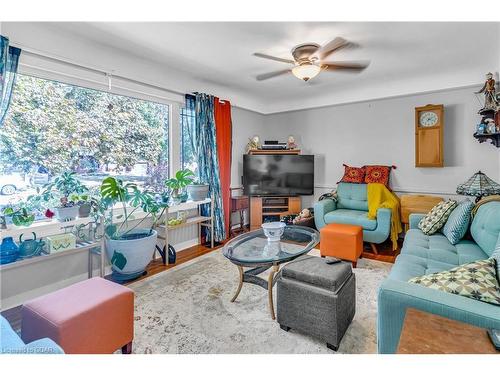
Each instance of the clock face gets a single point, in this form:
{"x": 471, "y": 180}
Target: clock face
{"x": 428, "y": 119}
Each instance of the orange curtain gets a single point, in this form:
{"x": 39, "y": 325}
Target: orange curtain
{"x": 224, "y": 140}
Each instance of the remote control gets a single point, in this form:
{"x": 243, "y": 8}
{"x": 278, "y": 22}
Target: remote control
{"x": 332, "y": 260}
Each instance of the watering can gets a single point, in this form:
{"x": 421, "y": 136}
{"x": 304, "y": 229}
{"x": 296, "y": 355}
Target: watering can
{"x": 29, "y": 248}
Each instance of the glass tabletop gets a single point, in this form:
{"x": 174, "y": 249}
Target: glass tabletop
{"x": 253, "y": 248}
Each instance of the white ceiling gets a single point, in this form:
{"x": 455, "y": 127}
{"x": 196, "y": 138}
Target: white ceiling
{"x": 405, "y": 57}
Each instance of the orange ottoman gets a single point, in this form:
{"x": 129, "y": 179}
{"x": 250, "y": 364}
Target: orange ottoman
{"x": 91, "y": 317}
{"x": 342, "y": 241}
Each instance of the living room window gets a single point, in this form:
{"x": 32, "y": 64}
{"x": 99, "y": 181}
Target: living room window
{"x": 189, "y": 159}
{"x": 53, "y": 127}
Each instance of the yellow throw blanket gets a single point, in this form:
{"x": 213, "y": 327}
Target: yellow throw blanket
{"x": 381, "y": 197}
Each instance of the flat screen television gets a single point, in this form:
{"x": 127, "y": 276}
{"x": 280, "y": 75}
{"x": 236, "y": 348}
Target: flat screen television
{"x": 283, "y": 175}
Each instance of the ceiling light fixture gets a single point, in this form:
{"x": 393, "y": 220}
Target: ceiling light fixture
{"x": 306, "y": 71}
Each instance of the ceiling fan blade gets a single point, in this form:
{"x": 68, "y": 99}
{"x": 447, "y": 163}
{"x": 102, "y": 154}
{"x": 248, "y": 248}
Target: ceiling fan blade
{"x": 269, "y": 57}
{"x": 355, "y": 66}
{"x": 264, "y": 76}
{"x": 331, "y": 47}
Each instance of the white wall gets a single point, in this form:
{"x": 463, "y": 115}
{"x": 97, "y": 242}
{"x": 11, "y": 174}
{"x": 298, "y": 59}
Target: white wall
{"x": 382, "y": 132}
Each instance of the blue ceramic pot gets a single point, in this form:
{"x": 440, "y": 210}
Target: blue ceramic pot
{"x": 9, "y": 251}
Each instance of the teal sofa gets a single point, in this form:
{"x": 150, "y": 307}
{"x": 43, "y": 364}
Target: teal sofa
{"x": 351, "y": 207}
{"x": 422, "y": 255}
{"x": 11, "y": 343}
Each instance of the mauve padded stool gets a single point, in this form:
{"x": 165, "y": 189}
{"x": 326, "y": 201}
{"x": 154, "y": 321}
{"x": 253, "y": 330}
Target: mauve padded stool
{"x": 316, "y": 298}
{"x": 95, "y": 316}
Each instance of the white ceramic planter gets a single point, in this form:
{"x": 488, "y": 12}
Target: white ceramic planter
{"x": 129, "y": 258}
{"x": 197, "y": 192}
{"x": 66, "y": 213}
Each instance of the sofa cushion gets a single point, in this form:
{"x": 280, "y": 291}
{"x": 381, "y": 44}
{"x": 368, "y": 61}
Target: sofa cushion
{"x": 437, "y": 248}
{"x": 457, "y": 224}
{"x": 352, "y": 196}
{"x": 408, "y": 266}
{"x": 437, "y": 217}
{"x": 354, "y": 217}
{"x": 353, "y": 175}
{"x": 476, "y": 280}
{"x": 485, "y": 226}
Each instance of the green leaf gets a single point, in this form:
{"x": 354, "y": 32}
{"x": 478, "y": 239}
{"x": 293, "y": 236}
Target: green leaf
{"x": 8, "y": 211}
{"x": 112, "y": 188}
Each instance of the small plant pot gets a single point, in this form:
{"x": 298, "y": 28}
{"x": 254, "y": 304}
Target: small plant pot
{"x": 129, "y": 256}
{"x": 197, "y": 192}
{"x": 66, "y": 213}
{"x": 84, "y": 210}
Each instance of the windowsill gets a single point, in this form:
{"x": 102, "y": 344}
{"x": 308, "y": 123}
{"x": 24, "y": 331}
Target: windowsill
{"x": 53, "y": 225}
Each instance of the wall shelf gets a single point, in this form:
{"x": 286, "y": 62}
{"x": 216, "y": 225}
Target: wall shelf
{"x": 495, "y": 138}
{"x": 274, "y": 152}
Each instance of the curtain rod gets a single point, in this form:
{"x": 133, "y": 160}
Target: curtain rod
{"x": 104, "y": 73}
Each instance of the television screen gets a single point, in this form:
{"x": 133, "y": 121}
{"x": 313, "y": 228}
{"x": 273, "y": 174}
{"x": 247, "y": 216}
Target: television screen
{"x": 284, "y": 175}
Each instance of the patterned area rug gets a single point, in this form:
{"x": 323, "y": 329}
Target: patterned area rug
{"x": 187, "y": 310}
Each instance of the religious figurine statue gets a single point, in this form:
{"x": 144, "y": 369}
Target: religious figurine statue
{"x": 490, "y": 99}
{"x": 291, "y": 145}
{"x": 253, "y": 143}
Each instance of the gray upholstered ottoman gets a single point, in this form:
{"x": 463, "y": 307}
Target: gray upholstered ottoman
{"x": 316, "y": 298}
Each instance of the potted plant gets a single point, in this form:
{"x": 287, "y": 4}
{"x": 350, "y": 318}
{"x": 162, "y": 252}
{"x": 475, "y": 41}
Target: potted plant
{"x": 182, "y": 179}
{"x": 86, "y": 202}
{"x": 129, "y": 247}
{"x": 197, "y": 191}
{"x": 21, "y": 216}
{"x": 64, "y": 186}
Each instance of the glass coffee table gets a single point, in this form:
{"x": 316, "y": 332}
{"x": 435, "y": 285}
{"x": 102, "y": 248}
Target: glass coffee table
{"x": 253, "y": 250}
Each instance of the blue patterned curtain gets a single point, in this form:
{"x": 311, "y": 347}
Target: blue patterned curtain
{"x": 9, "y": 59}
{"x": 204, "y": 140}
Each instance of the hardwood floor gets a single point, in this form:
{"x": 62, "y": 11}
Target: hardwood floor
{"x": 183, "y": 256}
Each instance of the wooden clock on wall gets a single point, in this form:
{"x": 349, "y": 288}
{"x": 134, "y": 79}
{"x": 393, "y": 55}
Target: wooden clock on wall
{"x": 429, "y": 124}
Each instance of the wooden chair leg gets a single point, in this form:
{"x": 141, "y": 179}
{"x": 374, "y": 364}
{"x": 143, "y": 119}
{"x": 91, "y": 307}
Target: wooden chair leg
{"x": 374, "y": 248}
{"x": 127, "y": 349}
{"x": 354, "y": 264}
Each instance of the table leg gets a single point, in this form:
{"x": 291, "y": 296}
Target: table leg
{"x": 270, "y": 283}
{"x": 240, "y": 269}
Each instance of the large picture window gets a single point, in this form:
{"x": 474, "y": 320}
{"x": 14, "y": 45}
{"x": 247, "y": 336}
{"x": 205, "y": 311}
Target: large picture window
{"x": 189, "y": 159}
{"x": 52, "y": 127}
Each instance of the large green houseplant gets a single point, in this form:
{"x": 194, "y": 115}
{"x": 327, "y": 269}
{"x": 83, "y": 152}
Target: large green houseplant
{"x": 129, "y": 246}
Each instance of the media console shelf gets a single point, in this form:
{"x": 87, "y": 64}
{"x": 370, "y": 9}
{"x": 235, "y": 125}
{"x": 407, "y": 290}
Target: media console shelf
{"x": 274, "y": 152}
{"x": 264, "y": 209}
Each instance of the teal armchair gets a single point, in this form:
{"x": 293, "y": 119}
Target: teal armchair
{"x": 351, "y": 207}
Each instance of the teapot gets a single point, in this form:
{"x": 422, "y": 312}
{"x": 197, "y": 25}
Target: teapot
{"x": 29, "y": 248}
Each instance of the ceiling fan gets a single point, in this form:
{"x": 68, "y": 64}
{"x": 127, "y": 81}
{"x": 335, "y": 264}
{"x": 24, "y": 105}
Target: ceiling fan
{"x": 309, "y": 60}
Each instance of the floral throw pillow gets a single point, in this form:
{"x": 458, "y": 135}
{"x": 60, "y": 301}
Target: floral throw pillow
{"x": 377, "y": 174}
{"x": 437, "y": 217}
{"x": 476, "y": 280}
{"x": 353, "y": 175}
